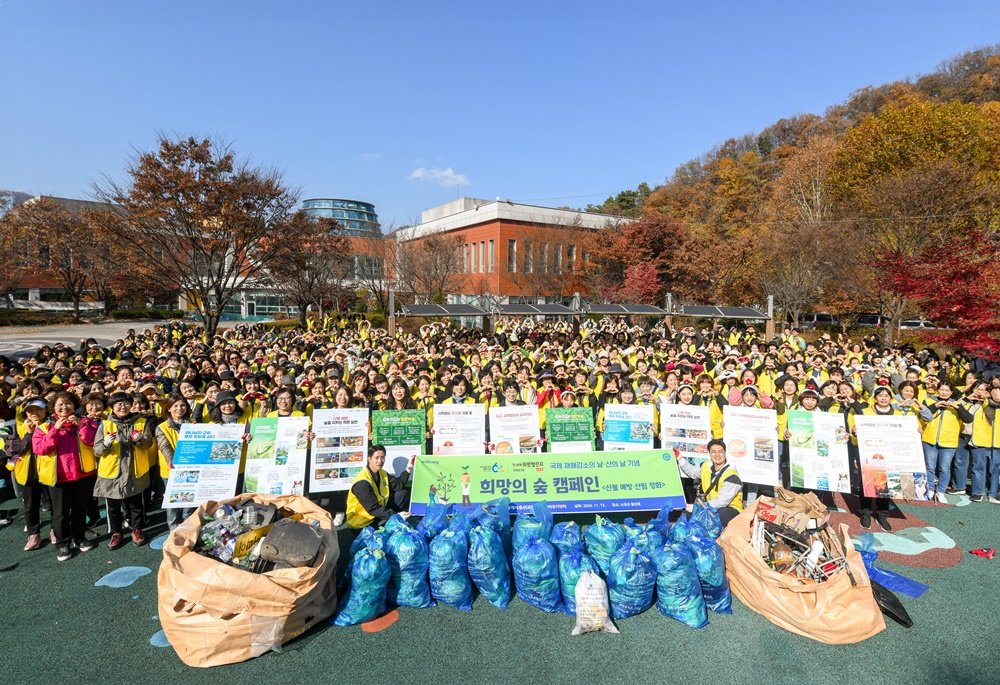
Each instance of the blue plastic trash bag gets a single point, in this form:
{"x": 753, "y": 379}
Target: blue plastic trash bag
{"x": 368, "y": 538}
{"x": 488, "y": 565}
{"x": 462, "y": 519}
{"x": 572, "y": 563}
{"x": 434, "y": 521}
{"x": 680, "y": 530}
{"x": 708, "y": 517}
{"x": 631, "y": 581}
{"x": 678, "y": 590}
{"x": 711, "y": 566}
{"x": 394, "y": 524}
{"x": 449, "y": 570}
{"x": 408, "y": 562}
{"x": 366, "y": 598}
{"x": 603, "y": 540}
{"x": 661, "y": 523}
{"x": 536, "y": 523}
{"x": 648, "y": 542}
{"x": 536, "y": 575}
{"x": 496, "y": 515}
{"x": 890, "y": 579}
{"x": 565, "y": 536}
{"x": 631, "y": 528}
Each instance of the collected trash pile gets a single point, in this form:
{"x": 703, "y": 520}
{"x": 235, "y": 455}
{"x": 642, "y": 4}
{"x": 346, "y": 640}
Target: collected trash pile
{"x": 607, "y": 570}
{"x": 785, "y": 562}
{"x": 245, "y": 576}
{"x": 258, "y": 538}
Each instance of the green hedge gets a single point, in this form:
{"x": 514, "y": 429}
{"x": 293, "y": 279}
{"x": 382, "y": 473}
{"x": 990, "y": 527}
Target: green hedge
{"x": 22, "y": 317}
{"x": 150, "y": 314}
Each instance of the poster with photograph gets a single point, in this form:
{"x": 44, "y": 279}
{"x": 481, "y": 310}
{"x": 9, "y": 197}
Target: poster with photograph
{"x": 751, "y": 437}
{"x": 402, "y": 433}
{"x": 276, "y": 457}
{"x": 628, "y": 427}
{"x": 892, "y": 458}
{"x": 340, "y": 449}
{"x": 686, "y": 428}
{"x": 569, "y": 430}
{"x": 817, "y": 451}
{"x": 206, "y": 464}
{"x": 459, "y": 429}
{"x": 514, "y": 430}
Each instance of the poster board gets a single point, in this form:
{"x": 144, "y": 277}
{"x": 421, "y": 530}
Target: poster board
{"x": 402, "y": 433}
{"x": 515, "y": 430}
{"x": 569, "y": 430}
{"x": 751, "y": 437}
{"x": 459, "y": 429}
{"x": 206, "y": 464}
{"x": 628, "y": 427}
{"x": 340, "y": 449}
{"x": 277, "y": 455}
{"x": 892, "y": 458}
{"x": 817, "y": 451}
{"x": 686, "y": 428}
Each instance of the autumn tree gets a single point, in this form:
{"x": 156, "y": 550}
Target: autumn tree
{"x": 627, "y": 203}
{"x": 314, "y": 267}
{"x": 14, "y": 258}
{"x": 428, "y": 266}
{"x": 373, "y": 266}
{"x": 202, "y": 220}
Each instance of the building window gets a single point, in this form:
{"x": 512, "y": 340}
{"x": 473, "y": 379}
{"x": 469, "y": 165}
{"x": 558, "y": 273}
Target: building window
{"x": 545, "y": 258}
{"x": 489, "y": 252}
{"x": 465, "y": 258}
{"x": 482, "y": 256}
{"x": 571, "y": 256}
{"x": 512, "y": 256}
{"x": 44, "y": 257}
{"x": 559, "y": 258}
{"x": 529, "y": 257}
{"x": 475, "y": 262}
{"x": 366, "y": 267}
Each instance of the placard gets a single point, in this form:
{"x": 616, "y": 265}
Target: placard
{"x": 340, "y": 449}
{"x": 276, "y": 457}
{"x": 751, "y": 437}
{"x": 817, "y": 451}
{"x": 646, "y": 480}
{"x": 206, "y": 464}
{"x": 569, "y": 430}
{"x": 402, "y": 433}
{"x": 514, "y": 429}
{"x": 686, "y": 428}
{"x": 628, "y": 427}
{"x": 459, "y": 429}
{"x": 892, "y": 458}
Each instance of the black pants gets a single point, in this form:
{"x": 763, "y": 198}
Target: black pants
{"x": 31, "y": 495}
{"x": 877, "y": 506}
{"x": 727, "y": 514}
{"x": 133, "y": 508}
{"x": 93, "y": 506}
{"x": 69, "y": 511}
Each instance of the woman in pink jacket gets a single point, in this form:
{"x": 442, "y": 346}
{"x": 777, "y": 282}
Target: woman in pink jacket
{"x": 64, "y": 446}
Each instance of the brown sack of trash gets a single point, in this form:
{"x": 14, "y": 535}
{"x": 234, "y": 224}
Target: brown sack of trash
{"x": 214, "y": 613}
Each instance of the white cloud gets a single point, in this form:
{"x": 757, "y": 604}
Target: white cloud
{"x": 446, "y": 178}
{"x": 371, "y": 155}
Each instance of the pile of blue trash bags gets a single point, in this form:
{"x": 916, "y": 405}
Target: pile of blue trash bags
{"x": 455, "y": 552}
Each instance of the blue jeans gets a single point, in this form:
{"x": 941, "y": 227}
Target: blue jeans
{"x": 985, "y": 460}
{"x": 960, "y": 467}
{"x": 937, "y": 458}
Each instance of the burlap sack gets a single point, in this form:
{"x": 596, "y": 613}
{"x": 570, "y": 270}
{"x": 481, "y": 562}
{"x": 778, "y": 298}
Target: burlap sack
{"x": 215, "y": 614}
{"x": 836, "y": 612}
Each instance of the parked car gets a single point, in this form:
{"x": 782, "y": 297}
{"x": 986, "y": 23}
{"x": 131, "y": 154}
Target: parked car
{"x": 871, "y": 321}
{"x": 916, "y": 324}
{"x": 817, "y": 320}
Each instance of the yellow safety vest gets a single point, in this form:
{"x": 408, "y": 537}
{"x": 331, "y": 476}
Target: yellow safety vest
{"x": 943, "y": 429}
{"x": 712, "y": 491}
{"x": 110, "y": 464}
{"x": 171, "y": 436}
{"x": 357, "y": 516}
{"x": 985, "y": 434}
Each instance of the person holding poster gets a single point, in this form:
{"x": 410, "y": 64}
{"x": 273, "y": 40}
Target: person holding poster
{"x": 686, "y": 426}
{"x": 514, "y": 430}
{"x": 121, "y": 477}
{"x": 719, "y": 482}
{"x": 376, "y": 494}
{"x": 751, "y": 437}
{"x": 624, "y": 425}
{"x": 178, "y": 411}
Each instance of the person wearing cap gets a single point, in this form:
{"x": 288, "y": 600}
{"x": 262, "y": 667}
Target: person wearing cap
{"x": 23, "y": 462}
{"x": 121, "y": 476}
{"x": 718, "y": 481}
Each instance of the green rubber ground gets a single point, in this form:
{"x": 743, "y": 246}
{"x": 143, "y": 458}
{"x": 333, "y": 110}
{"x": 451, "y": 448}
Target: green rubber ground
{"x": 57, "y": 627}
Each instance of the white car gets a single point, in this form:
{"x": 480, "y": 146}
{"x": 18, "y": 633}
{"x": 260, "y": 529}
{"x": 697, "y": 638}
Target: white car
{"x": 916, "y": 324}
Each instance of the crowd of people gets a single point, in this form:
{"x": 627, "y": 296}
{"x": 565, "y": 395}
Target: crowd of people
{"x": 87, "y": 423}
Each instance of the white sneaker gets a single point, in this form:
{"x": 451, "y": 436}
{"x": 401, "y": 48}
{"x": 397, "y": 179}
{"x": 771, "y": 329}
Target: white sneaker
{"x": 994, "y": 500}
{"x": 338, "y": 520}
{"x": 941, "y": 498}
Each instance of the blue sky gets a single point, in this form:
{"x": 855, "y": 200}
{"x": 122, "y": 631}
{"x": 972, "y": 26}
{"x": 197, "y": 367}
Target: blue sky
{"x": 409, "y": 105}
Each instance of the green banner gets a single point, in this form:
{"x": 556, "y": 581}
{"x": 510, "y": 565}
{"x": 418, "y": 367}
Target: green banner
{"x": 398, "y": 428}
{"x": 644, "y": 480}
{"x": 569, "y": 430}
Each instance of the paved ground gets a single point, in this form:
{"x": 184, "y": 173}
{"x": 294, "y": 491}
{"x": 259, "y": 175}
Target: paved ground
{"x": 57, "y": 627}
{"x": 24, "y": 340}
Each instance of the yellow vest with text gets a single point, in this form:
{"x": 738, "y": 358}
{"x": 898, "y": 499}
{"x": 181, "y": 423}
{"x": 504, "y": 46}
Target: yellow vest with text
{"x": 357, "y": 516}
